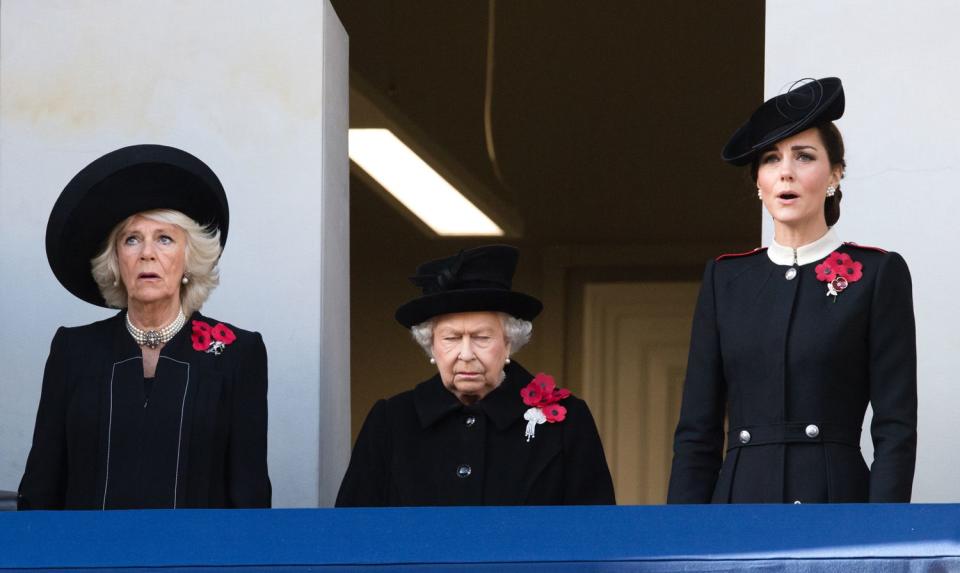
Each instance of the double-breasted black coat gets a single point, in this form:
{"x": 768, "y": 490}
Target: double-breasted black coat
{"x": 793, "y": 369}
{"x": 197, "y": 439}
{"x": 424, "y": 447}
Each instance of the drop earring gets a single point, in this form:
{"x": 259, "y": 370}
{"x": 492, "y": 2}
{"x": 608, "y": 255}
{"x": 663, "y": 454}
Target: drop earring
{"x": 759, "y": 194}
{"x": 185, "y": 279}
{"x": 831, "y": 191}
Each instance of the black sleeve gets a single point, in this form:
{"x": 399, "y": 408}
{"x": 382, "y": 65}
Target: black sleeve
{"x": 366, "y": 482}
{"x": 586, "y": 475}
{"x": 893, "y": 383}
{"x": 248, "y": 481}
{"x": 44, "y": 481}
{"x": 698, "y": 441}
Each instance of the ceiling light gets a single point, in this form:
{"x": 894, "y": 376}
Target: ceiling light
{"x": 423, "y": 191}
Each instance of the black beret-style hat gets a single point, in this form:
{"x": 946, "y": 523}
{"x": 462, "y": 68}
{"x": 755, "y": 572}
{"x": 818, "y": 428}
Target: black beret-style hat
{"x": 802, "y": 106}
{"x": 477, "y": 279}
{"x": 122, "y": 183}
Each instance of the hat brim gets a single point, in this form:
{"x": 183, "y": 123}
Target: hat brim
{"x": 745, "y": 144}
{"x": 515, "y": 304}
{"x": 120, "y": 184}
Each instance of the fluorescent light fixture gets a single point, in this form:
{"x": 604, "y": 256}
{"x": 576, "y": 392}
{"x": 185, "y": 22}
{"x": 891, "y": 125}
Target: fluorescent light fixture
{"x": 416, "y": 185}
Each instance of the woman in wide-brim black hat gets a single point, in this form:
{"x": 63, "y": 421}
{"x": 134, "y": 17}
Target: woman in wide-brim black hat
{"x": 482, "y": 430}
{"x": 158, "y": 406}
{"x": 791, "y": 342}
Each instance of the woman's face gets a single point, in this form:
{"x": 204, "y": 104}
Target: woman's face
{"x": 793, "y": 176}
{"x": 470, "y": 349}
{"x": 152, "y": 257}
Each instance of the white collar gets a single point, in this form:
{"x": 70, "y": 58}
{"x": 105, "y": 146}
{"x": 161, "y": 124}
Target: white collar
{"x": 806, "y": 254}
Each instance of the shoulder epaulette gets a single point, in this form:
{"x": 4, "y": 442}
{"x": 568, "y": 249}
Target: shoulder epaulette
{"x": 869, "y": 248}
{"x": 736, "y": 255}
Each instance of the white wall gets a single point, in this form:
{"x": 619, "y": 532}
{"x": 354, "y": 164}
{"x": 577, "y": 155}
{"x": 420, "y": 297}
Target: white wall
{"x": 898, "y": 63}
{"x": 256, "y": 90}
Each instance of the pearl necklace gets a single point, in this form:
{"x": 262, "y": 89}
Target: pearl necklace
{"x": 154, "y": 338}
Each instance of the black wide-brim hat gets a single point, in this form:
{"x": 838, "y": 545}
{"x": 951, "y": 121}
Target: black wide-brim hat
{"x": 122, "y": 183}
{"x": 802, "y": 106}
{"x": 475, "y": 280}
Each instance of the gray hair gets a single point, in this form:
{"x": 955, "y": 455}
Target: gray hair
{"x": 201, "y": 256}
{"x": 517, "y": 332}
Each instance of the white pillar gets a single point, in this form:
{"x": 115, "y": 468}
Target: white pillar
{"x": 898, "y": 64}
{"x": 256, "y": 90}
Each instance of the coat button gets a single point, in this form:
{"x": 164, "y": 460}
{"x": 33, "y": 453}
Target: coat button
{"x": 470, "y": 421}
{"x": 464, "y": 471}
{"x": 744, "y": 437}
{"x": 812, "y": 431}
{"x": 791, "y": 273}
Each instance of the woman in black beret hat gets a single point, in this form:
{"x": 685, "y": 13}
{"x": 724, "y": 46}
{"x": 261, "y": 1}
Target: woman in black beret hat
{"x": 158, "y": 406}
{"x": 483, "y": 430}
{"x": 791, "y": 342}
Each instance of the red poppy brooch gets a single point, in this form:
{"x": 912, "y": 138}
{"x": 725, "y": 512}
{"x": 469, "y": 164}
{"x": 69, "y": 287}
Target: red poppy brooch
{"x": 838, "y": 270}
{"x": 542, "y": 395}
{"x": 211, "y": 339}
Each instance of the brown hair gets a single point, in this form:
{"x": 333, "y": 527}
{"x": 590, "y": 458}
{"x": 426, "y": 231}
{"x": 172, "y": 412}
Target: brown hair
{"x": 833, "y": 143}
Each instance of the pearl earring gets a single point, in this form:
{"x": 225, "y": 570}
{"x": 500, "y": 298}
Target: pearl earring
{"x": 831, "y": 191}
{"x": 508, "y": 360}
{"x": 185, "y": 279}
{"x": 759, "y": 194}
{"x": 433, "y": 360}
{"x": 115, "y": 283}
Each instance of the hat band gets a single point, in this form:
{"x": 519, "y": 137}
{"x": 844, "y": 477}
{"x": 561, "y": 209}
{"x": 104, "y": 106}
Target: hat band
{"x": 442, "y": 283}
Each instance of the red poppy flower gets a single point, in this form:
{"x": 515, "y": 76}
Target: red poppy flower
{"x": 559, "y": 394}
{"x": 826, "y": 272}
{"x": 222, "y": 333}
{"x": 850, "y": 269}
{"x": 200, "y": 326}
{"x": 545, "y": 382}
{"x": 531, "y": 394}
{"x": 554, "y": 413}
{"x": 201, "y": 340}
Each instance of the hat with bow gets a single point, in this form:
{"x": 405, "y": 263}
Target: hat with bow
{"x": 478, "y": 279}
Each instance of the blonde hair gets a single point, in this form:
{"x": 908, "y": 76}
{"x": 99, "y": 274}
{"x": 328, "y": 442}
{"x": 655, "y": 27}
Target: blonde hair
{"x": 201, "y": 257}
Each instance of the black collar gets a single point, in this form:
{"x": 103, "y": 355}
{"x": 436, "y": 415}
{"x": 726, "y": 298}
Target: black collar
{"x": 503, "y": 405}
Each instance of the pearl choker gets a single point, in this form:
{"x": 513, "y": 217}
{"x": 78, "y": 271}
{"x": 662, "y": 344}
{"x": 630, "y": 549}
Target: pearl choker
{"x": 154, "y": 338}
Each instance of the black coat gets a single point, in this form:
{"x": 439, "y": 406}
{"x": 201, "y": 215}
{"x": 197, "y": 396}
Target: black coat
{"x": 199, "y": 441}
{"x": 424, "y": 447}
{"x": 778, "y": 356}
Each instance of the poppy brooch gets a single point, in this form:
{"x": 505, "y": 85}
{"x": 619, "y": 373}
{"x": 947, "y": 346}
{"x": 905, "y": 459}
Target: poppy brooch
{"x": 543, "y": 397}
{"x": 838, "y": 270}
{"x": 211, "y": 339}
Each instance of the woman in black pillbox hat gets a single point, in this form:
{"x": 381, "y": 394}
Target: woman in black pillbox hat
{"x": 793, "y": 341}
{"x": 482, "y": 430}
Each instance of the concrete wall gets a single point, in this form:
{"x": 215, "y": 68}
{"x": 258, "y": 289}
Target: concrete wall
{"x": 259, "y": 92}
{"x": 897, "y": 62}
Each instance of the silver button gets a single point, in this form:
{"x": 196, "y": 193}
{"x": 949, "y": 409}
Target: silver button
{"x": 791, "y": 273}
{"x": 744, "y": 437}
{"x": 470, "y": 421}
{"x": 796, "y": 502}
{"x": 464, "y": 471}
{"x": 812, "y": 431}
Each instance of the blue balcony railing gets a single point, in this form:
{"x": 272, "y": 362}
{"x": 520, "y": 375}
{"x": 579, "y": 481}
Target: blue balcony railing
{"x": 653, "y": 538}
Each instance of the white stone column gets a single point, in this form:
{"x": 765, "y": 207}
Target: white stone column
{"x": 256, "y": 90}
{"x": 898, "y": 63}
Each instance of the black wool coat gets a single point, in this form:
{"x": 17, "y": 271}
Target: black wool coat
{"x": 199, "y": 440}
{"x": 793, "y": 370}
{"x": 424, "y": 447}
